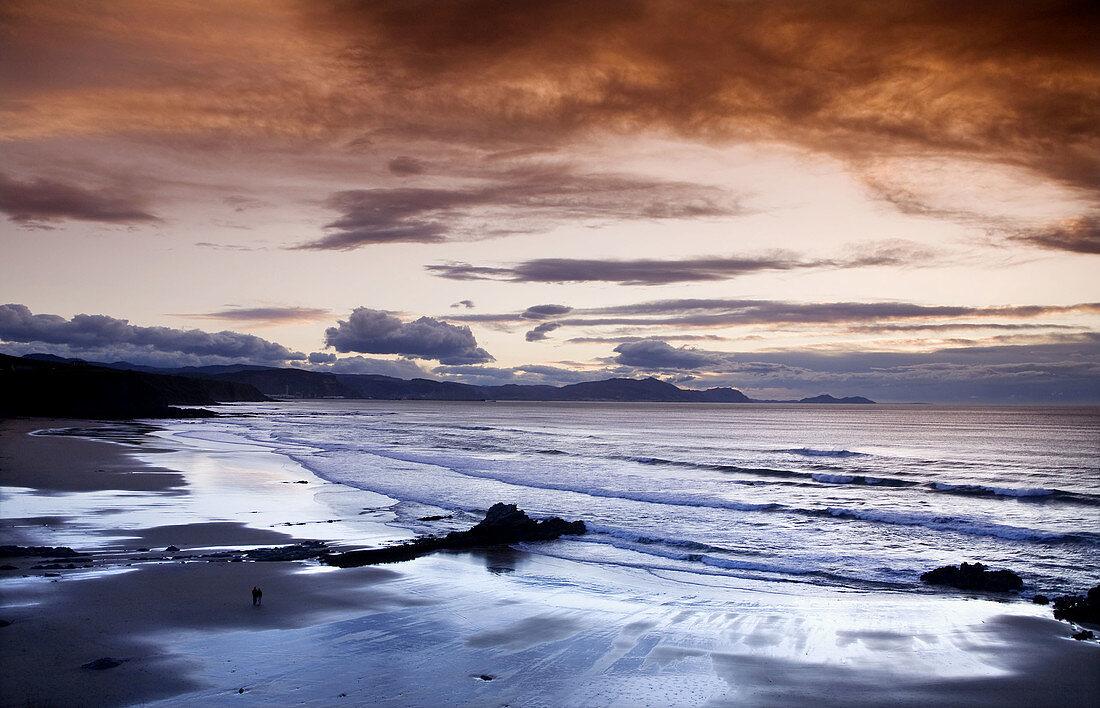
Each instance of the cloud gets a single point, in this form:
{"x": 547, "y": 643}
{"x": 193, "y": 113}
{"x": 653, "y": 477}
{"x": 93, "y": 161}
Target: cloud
{"x": 1067, "y": 372}
{"x": 655, "y": 354}
{"x": 464, "y": 303}
{"x": 100, "y": 333}
{"x": 664, "y": 338}
{"x": 720, "y": 312}
{"x": 528, "y": 200}
{"x": 398, "y": 368}
{"x": 663, "y": 272}
{"x": 1008, "y": 83}
{"x": 41, "y": 200}
{"x": 268, "y": 316}
{"x": 540, "y": 331}
{"x": 321, "y": 357}
{"x": 1081, "y": 235}
{"x": 405, "y": 165}
{"x": 541, "y": 312}
{"x": 243, "y": 203}
{"x": 376, "y": 332}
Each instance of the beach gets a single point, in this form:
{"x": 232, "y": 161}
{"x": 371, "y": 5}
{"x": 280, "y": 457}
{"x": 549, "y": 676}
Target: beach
{"x": 507, "y": 626}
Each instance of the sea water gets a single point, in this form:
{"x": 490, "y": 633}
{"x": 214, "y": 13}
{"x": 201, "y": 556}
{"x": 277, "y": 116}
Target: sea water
{"x": 844, "y": 495}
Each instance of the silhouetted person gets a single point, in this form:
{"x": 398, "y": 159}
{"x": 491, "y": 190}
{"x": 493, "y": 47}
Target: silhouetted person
{"x": 257, "y": 596}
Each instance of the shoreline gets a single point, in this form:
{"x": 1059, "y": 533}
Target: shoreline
{"x": 547, "y": 631}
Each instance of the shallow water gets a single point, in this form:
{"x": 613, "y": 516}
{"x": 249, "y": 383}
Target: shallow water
{"x": 855, "y": 496}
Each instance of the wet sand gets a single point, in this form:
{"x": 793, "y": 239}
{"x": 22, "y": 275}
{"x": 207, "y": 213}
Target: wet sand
{"x": 493, "y": 628}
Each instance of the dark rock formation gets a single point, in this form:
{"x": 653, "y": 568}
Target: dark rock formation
{"x": 973, "y": 576}
{"x": 1077, "y": 608}
{"x": 300, "y": 551}
{"x": 1083, "y": 635}
{"x": 172, "y": 549}
{"x": 1041, "y": 600}
{"x": 39, "y": 551}
{"x": 503, "y": 524}
{"x": 103, "y": 663}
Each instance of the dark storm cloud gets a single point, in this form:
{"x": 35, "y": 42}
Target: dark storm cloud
{"x": 376, "y": 332}
{"x": 540, "y": 331}
{"x": 265, "y": 315}
{"x": 405, "y": 165}
{"x": 1012, "y": 83}
{"x": 541, "y": 312}
{"x": 528, "y": 200}
{"x": 665, "y": 271}
{"x": 655, "y": 354}
{"x": 1077, "y": 236}
{"x": 100, "y": 333}
{"x": 46, "y": 201}
{"x": 321, "y": 357}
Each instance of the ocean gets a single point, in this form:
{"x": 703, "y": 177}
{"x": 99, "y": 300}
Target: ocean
{"x": 854, "y": 496}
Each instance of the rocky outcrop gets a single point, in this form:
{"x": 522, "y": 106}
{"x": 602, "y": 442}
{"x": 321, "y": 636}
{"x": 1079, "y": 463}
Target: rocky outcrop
{"x": 503, "y": 524}
{"x": 973, "y": 576}
{"x": 39, "y": 552}
{"x": 103, "y": 663}
{"x": 299, "y": 551}
{"x": 1078, "y": 608}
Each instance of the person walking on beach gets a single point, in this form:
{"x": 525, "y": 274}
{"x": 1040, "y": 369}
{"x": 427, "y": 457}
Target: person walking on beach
{"x": 257, "y": 596}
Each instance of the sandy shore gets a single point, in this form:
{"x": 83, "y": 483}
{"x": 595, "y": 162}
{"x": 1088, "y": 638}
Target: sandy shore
{"x": 504, "y": 627}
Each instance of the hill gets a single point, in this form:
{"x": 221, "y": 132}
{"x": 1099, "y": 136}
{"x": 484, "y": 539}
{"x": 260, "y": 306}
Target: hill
{"x": 74, "y": 389}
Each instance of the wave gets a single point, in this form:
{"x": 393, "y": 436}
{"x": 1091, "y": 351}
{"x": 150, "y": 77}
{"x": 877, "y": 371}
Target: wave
{"x": 969, "y": 527}
{"x": 1025, "y": 493}
{"x": 718, "y": 558}
{"x": 810, "y": 452}
{"x": 862, "y": 479}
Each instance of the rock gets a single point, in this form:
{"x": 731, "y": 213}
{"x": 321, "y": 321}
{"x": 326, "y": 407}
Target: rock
{"x": 5, "y": 623}
{"x": 103, "y": 663}
{"x": 485, "y": 677}
{"x": 143, "y": 550}
{"x": 1041, "y": 600}
{"x": 40, "y": 551}
{"x": 973, "y": 576}
{"x": 504, "y": 524}
{"x": 172, "y": 549}
{"x": 9, "y": 567}
{"x": 435, "y": 518}
{"x": 1083, "y": 635}
{"x": 1077, "y": 608}
{"x": 299, "y": 551}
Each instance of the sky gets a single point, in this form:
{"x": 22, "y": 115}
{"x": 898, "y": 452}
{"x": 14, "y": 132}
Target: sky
{"x": 896, "y": 200}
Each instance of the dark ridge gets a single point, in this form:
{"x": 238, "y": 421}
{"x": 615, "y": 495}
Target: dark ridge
{"x": 503, "y": 524}
{"x": 302, "y": 383}
{"x": 70, "y": 389}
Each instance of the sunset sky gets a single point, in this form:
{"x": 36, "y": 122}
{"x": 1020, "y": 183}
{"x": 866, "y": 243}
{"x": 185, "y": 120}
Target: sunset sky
{"x": 890, "y": 199}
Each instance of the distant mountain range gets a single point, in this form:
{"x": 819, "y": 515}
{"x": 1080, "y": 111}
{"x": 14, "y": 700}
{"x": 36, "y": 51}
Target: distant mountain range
{"x": 299, "y": 383}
